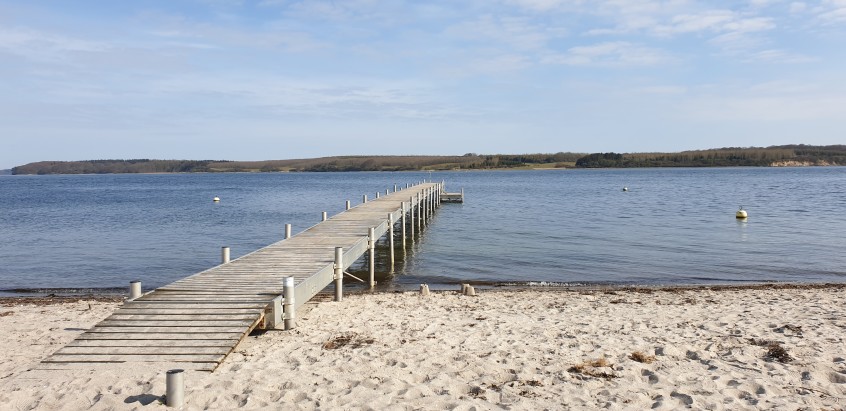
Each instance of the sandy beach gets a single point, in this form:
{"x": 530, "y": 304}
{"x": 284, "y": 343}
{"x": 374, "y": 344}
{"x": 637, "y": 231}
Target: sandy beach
{"x": 766, "y": 347}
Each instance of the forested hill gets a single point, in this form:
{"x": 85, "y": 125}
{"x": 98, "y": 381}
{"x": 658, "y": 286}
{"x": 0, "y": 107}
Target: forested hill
{"x": 342, "y": 163}
{"x": 790, "y": 155}
{"x": 774, "y": 156}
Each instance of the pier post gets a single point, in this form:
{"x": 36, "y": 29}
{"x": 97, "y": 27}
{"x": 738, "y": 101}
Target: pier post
{"x": 175, "y": 388}
{"x": 364, "y": 199}
{"x": 407, "y": 185}
{"x": 134, "y": 289}
{"x": 371, "y": 247}
{"x": 224, "y": 255}
{"x": 324, "y": 216}
{"x": 288, "y": 308}
{"x": 377, "y": 194}
{"x": 411, "y": 219}
{"x": 425, "y": 204}
{"x": 339, "y": 273}
{"x": 419, "y": 215}
{"x": 287, "y": 231}
{"x": 391, "y": 237}
{"x": 395, "y": 188}
{"x": 403, "y": 224}
{"x": 348, "y": 204}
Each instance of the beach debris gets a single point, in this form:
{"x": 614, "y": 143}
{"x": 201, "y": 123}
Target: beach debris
{"x": 477, "y": 392}
{"x": 470, "y": 291}
{"x": 424, "y": 289}
{"x": 464, "y": 288}
{"x": 349, "y": 338}
{"x": 6, "y": 313}
{"x": 642, "y": 358}
{"x": 592, "y": 369}
{"x": 796, "y": 330}
{"x": 777, "y": 353}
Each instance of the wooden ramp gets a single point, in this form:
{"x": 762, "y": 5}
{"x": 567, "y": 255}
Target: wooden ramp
{"x": 194, "y": 323}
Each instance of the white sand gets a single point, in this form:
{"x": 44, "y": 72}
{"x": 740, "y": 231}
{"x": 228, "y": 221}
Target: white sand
{"x": 499, "y": 350}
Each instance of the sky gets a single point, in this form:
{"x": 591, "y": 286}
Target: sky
{"x": 279, "y": 79}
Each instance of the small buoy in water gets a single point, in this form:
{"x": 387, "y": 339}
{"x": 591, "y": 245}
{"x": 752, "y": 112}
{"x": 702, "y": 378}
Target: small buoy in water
{"x": 625, "y": 189}
{"x": 216, "y": 199}
{"x": 741, "y": 213}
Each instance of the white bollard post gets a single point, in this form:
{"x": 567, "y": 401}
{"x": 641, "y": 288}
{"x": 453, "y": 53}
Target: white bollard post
{"x": 387, "y": 191}
{"x": 371, "y": 246}
{"x": 348, "y": 204}
{"x": 287, "y": 231}
{"x": 323, "y": 216}
{"x": 224, "y": 255}
{"x": 395, "y": 188}
{"x": 377, "y": 194}
{"x": 134, "y": 290}
{"x": 364, "y": 199}
{"x": 339, "y": 273}
{"x": 391, "y": 238}
{"x": 175, "y": 393}
{"x": 288, "y": 308}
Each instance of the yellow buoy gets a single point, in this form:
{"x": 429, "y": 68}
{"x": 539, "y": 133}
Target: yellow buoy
{"x": 741, "y": 213}
{"x": 216, "y": 200}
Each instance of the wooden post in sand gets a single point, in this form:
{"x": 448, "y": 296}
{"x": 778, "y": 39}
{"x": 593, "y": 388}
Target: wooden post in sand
{"x": 371, "y": 247}
{"x": 391, "y": 238}
{"x": 288, "y": 308}
{"x": 224, "y": 255}
{"x": 134, "y": 289}
{"x": 287, "y": 231}
{"x": 339, "y": 273}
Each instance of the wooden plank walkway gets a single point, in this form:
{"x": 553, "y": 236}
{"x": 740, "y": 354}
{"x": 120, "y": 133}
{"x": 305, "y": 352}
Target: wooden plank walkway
{"x": 195, "y": 322}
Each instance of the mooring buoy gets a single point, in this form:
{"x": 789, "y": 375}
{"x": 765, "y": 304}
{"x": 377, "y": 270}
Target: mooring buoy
{"x": 741, "y": 213}
{"x": 216, "y": 199}
{"x": 625, "y": 189}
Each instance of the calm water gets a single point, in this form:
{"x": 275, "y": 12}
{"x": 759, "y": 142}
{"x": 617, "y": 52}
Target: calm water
{"x": 674, "y": 226}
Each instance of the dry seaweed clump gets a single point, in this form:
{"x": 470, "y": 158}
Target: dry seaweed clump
{"x": 592, "y": 369}
{"x": 777, "y": 353}
{"x": 347, "y": 339}
{"x": 641, "y": 357}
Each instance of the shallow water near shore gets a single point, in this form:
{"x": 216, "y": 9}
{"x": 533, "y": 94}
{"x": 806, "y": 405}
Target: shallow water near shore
{"x": 551, "y": 227}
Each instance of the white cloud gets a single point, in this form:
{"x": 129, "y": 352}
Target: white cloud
{"x": 610, "y": 54}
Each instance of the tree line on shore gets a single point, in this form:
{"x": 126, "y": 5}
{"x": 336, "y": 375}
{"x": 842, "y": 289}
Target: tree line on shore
{"x": 722, "y": 157}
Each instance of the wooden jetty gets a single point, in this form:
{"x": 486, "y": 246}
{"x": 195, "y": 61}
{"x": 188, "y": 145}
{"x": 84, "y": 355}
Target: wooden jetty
{"x": 195, "y": 322}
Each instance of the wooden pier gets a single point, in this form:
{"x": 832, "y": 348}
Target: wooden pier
{"x": 195, "y": 322}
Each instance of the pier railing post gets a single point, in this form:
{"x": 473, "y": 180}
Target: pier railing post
{"x": 175, "y": 388}
{"x": 419, "y": 215}
{"x": 288, "y": 308}
{"x": 339, "y": 273}
{"x": 395, "y": 188}
{"x": 134, "y": 290}
{"x": 391, "y": 237}
{"x": 371, "y": 247}
{"x": 364, "y": 199}
{"x": 324, "y": 216}
{"x": 287, "y": 231}
{"x": 348, "y": 204}
{"x": 224, "y": 255}
{"x": 377, "y": 194}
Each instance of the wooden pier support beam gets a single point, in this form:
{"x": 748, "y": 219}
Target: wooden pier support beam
{"x": 403, "y": 224}
{"x": 288, "y": 307}
{"x": 391, "y": 238}
{"x": 371, "y": 251}
{"x": 339, "y": 273}
{"x": 411, "y": 219}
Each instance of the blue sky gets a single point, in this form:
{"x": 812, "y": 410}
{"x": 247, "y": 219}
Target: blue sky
{"x": 275, "y": 79}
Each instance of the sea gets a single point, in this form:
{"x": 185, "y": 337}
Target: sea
{"x": 535, "y": 228}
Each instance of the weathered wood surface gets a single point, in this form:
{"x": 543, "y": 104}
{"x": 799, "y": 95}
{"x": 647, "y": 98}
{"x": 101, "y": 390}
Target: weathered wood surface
{"x": 195, "y": 322}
